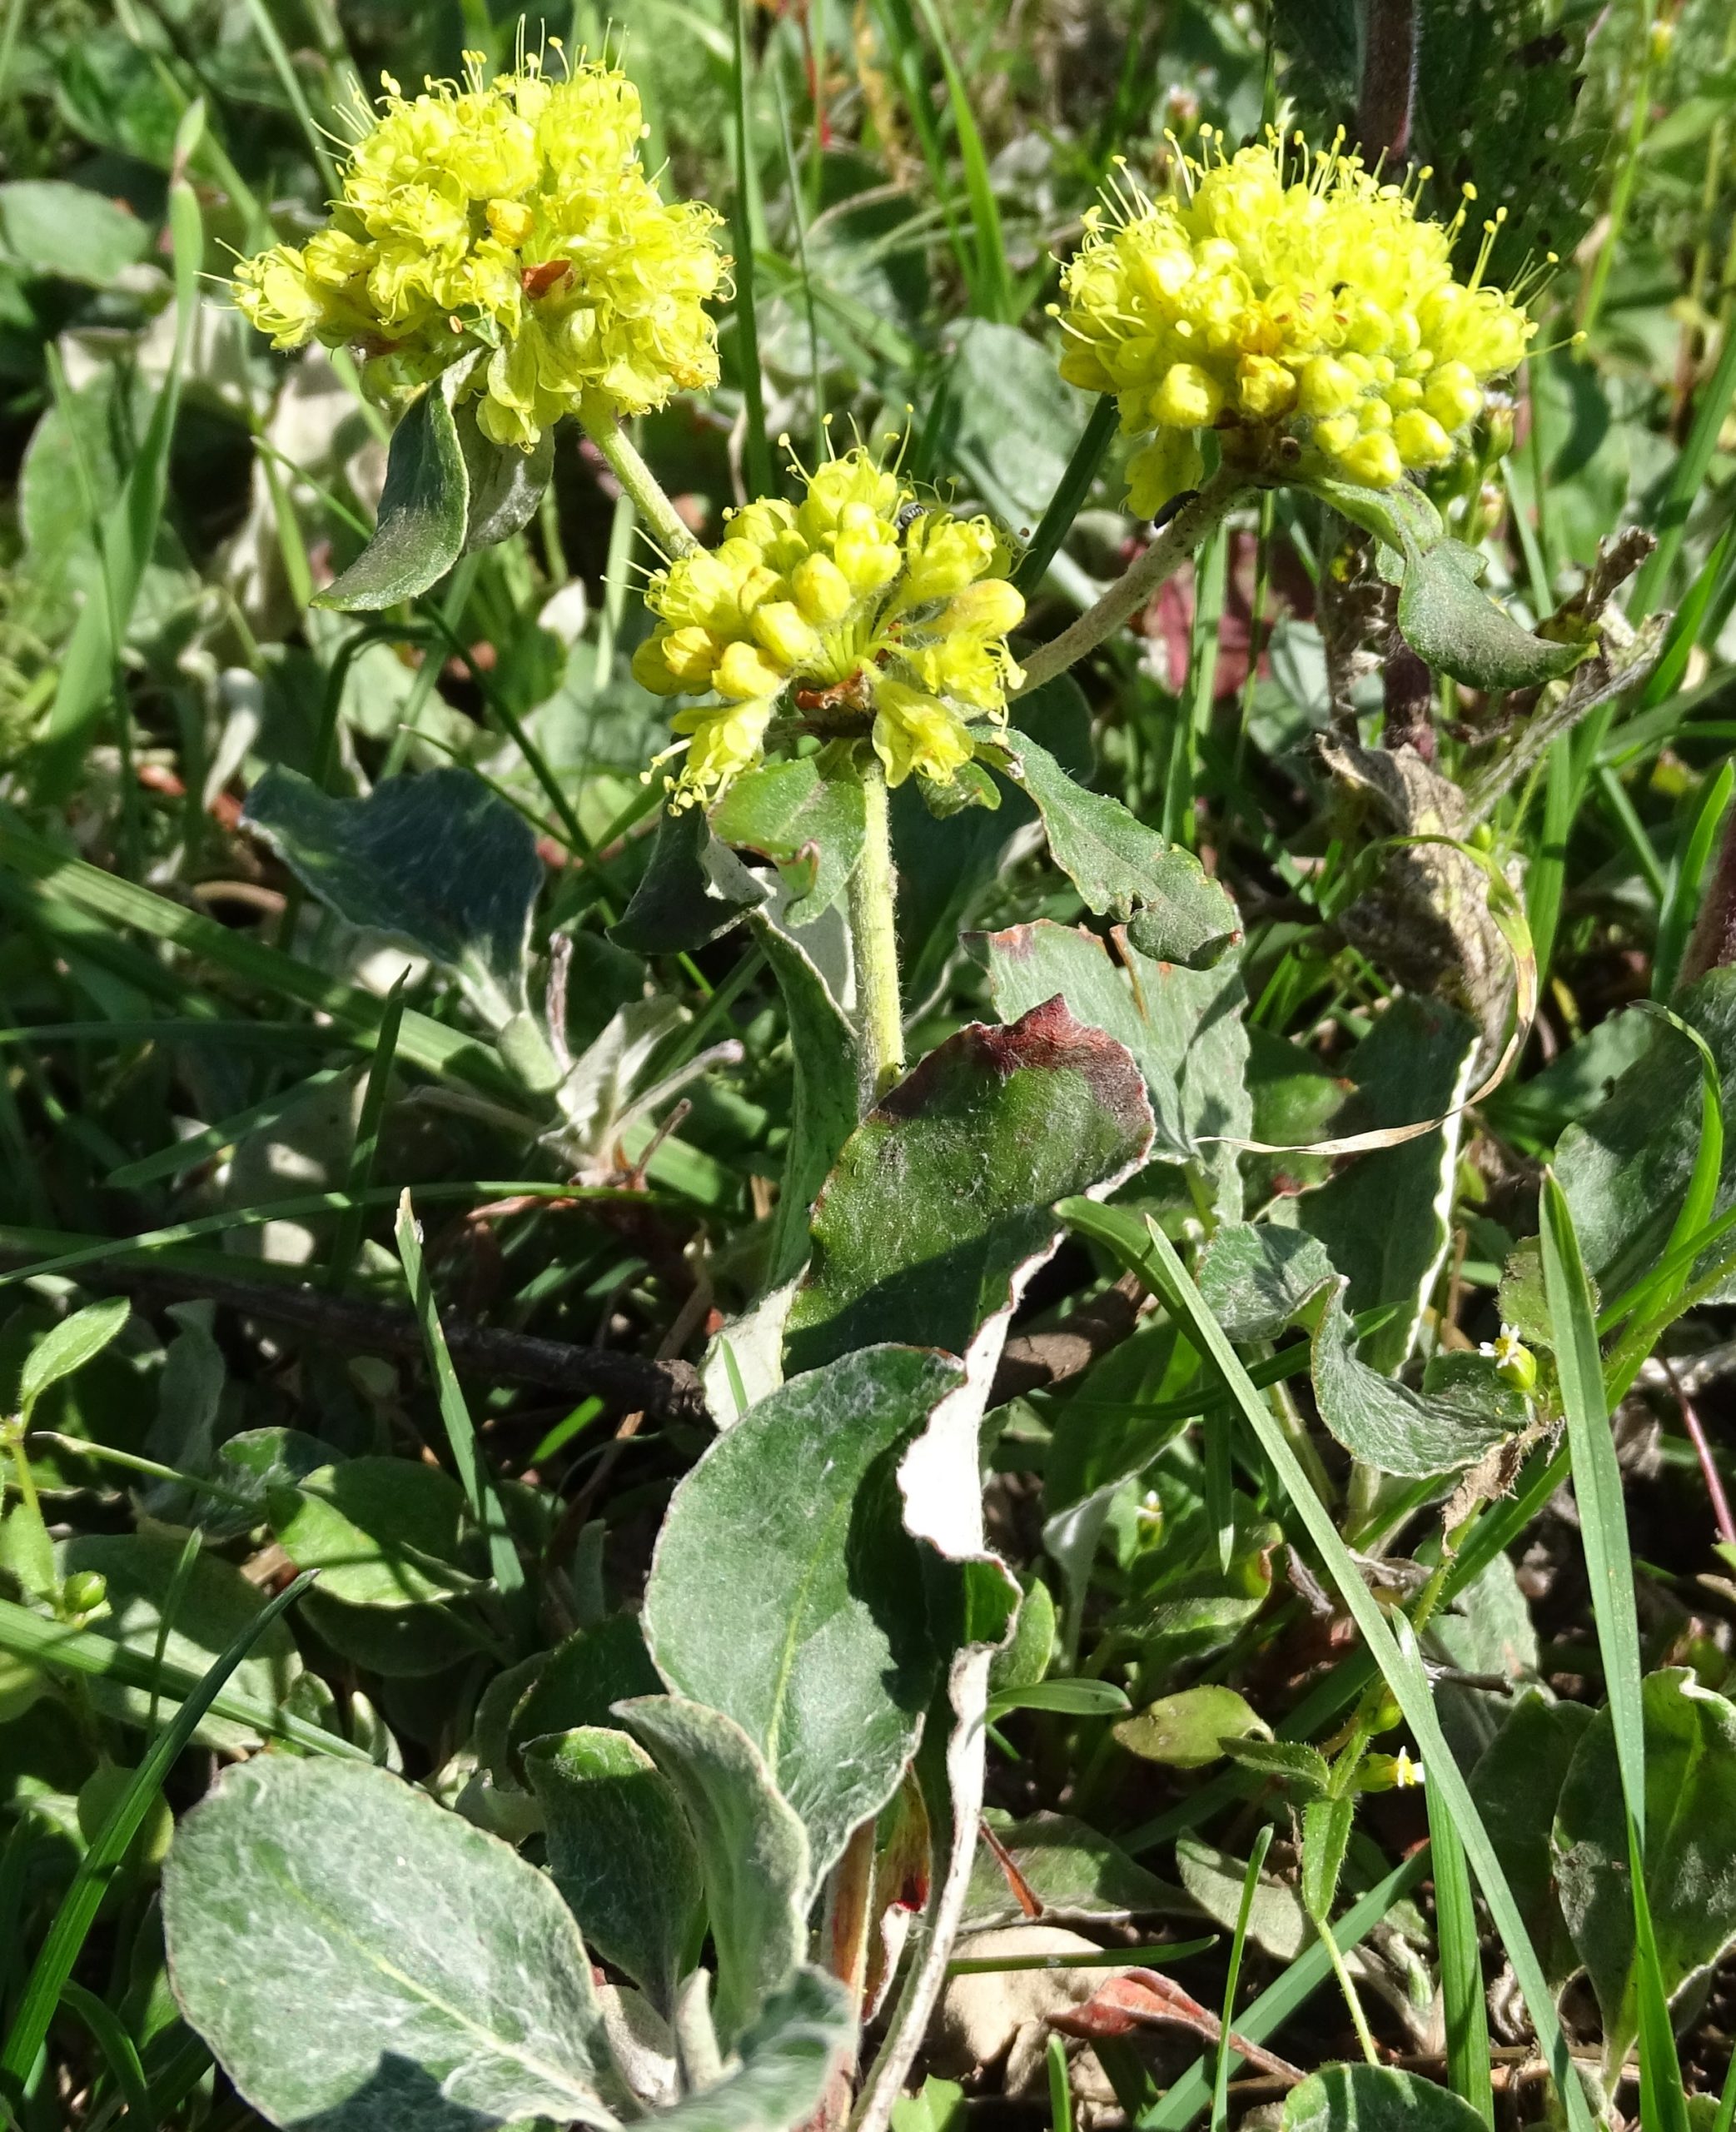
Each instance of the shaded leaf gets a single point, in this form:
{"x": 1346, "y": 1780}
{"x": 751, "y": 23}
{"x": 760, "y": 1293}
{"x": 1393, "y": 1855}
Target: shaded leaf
{"x": 1257, "y": 1278}
{"x": 807, "y": 818}
{"x": 1173, "y": 910}
{"x": 584, "y": 1677}
{"x": 438, "y": 861}
{"x": 753, "y": 1851}
{"x": 1374, "y": 2099}
{"x": 381, "y": 1532}
{"x": 947, "y": 1189}
{"x": 1074, "y": 1870}
{"x": 825, "y": 1102}
{"x": 503, "y": 485}
{"x": 1387, "y": 1425}
{"x": 1516, "y": 1784}
{"x": 694, "y": 887}
{"x": 1184, "y": 1027}
{"x": 424, "y": 509}
{"x": 621, "y": 1854}
{"x": 68, "y": 231}
{"x": 786, "y": 1593}
{"x": 1690, "y": 1847}
{"x": 444, "y": 1979}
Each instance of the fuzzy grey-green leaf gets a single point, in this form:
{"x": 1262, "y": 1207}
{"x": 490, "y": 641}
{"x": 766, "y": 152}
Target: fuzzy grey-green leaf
{"x": 423, "y": 508}
{"x": 786, "y": 1593}
{"x": 359, "y": 1957}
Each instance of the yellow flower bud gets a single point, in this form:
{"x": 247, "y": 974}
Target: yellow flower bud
{"x": 744, "y": 672}
{"x": 1335, "y": 434}
{"x": 1189, "y": 398}
{"x": 650, "y": 670}
{"x": 1326, "y": 386}
{"x": 510, "y": 221}
{"x": 913, "y": 733}
{"x": 822, "y": 591}
{"x": 690, "y": 653}
{"x": 779, "y": 626}
{"x": 1373, "y": 461}
{"x": 989, "y": 609}
{"x": 725, "y": 743}
{"x": 945, "y": 555}
{"x": 865, "y": 562}
{"x": 1452, "y": 395}
{"x": 1420, "y": 439}
{"x": 1263, "y": 388}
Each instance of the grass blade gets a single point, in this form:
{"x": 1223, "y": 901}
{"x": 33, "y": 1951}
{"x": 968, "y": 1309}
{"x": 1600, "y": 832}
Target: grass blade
{"x": 993, "y": 287}
{"x": 1461, "y": 1965}
{"x": 1597, "y": 1489}
{"x": 1148, "y": 1252}
{"x": 1681, "y": 905}
{"x": 742, "y": 220}
{"x": 1068, "y": 500}
{"x": 479, "y": 1486}
{"x": 79, "y": 1906}
{"x": 54, "y": 1647}
{"x": 348, "y": 1240}
{"x": 1663, "y": 2099}
{"x": 1184, "y": 2101}
{"x": 88, "y": 672}
{"x": 1250, "y": 1888}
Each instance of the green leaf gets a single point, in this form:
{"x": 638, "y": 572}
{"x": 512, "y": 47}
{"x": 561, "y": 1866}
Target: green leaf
{"x": 68, "y": 231}
{"x": 1173, "y": 910}
{"x": 1257, "y": 1279}
{"x": 1074, "y": 1871}
{"x": 943, "y": 1197}
{"x": 1073, "y": 1698}
{"x": 1327, "y": 1825}
{"x": 26, "y": 1553}
{"x": 807, "y": 818}
{"x": 68, "y": 1346}
{"x": 1027, "y": 1658}
{"x": 1387, "y": 1425}
{"x": 753, "y": 1851}
{"x": 1188, "y": 1730}
{"x": 381, "y": 1532}
{"x": 1626, "y": 1166}
{"x": 1516, "y": 1784}
{"x": 1444, "y": 615}
{"x": 1689, "y": 1840}
{"x": 1381, "y": 1217}
{"x": 438, "y": 861}
{"x": 1293, "y": 1761}
{"x": 787, "y": 2062}
{"x": 355, "y": 1954}
{"x": 694, "y": 888}
{"x": 503, "y": 485}
{"x": 424, "y": 511}
{"x": 1449, "y": 621}
{"x": 786, "y": 1593}
{"x": 584, "y": 1677}
{"x": 825, "y": 1102}
{"x": 1374, "y": 2099}
{"x": 1184, "y": 1027}
{"x": 621, "y": 1854}
{"x": 207, "y": 1607}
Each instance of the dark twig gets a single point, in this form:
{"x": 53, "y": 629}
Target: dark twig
{"x": 636, "y": 1381}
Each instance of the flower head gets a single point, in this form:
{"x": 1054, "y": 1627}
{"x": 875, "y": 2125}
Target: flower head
{"x": 1515, "y": 1363}
{"x": 857, "y": 609}
{"x": 508, "y": 221}
{"x": 1285, "y": 295}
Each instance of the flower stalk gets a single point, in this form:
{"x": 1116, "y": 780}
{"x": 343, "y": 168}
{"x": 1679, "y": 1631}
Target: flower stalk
{"x": 621, "y": 456}
{"x": 1178, "y": 540}
{"x": 875, "y": 937}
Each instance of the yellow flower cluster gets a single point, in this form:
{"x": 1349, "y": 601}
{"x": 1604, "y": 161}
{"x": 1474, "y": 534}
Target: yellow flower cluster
{"x": 1285, "y": 295}
{"x": 857, "y": 610}
{"x": 510, "y": 220}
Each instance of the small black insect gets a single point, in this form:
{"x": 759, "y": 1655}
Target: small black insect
{"x": 909, "y": 513}
{"x": 1175, "y": 504}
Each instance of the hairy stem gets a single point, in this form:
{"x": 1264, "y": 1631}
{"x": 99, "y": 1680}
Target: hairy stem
{"x": 1388, "y": 96}
{"x": 638, "y": 481}
{"x": 1130, "y": 592}
{"x": 873, "y": 936}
